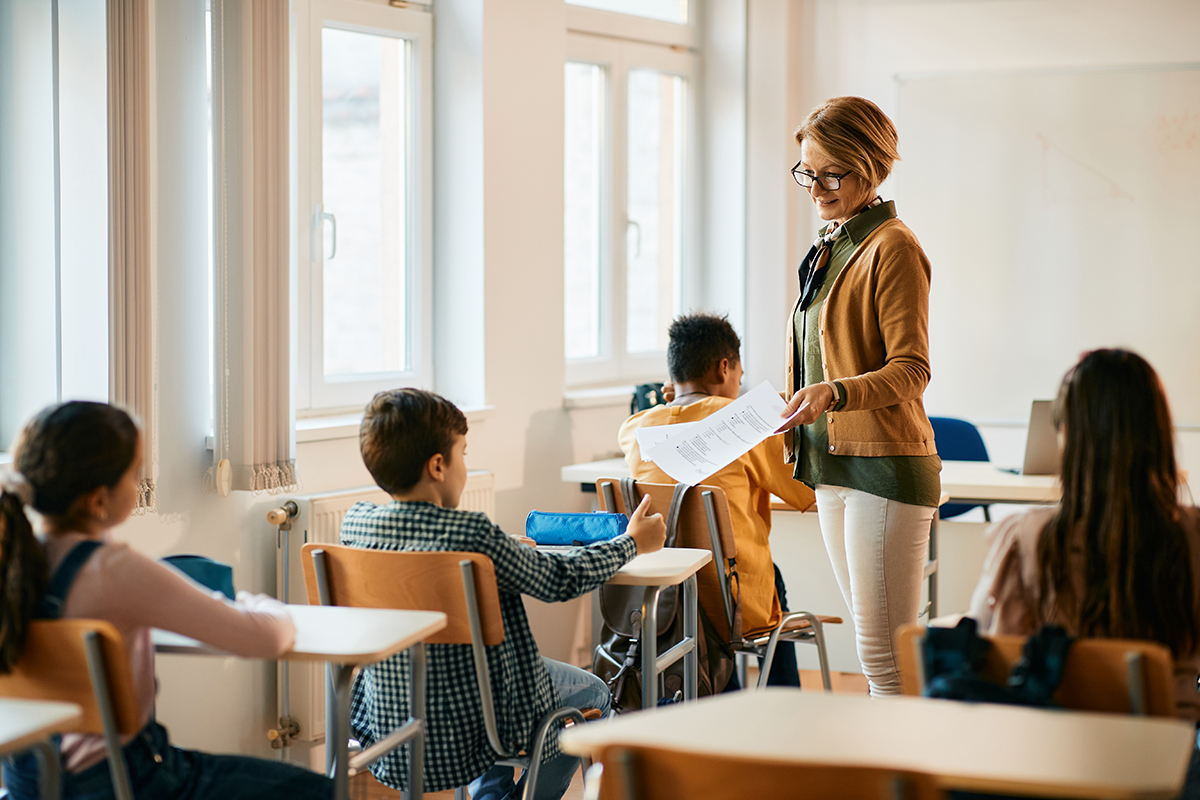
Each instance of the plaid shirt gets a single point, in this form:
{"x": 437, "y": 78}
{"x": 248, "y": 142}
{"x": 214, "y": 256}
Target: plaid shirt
{"x": 456, "y": 744}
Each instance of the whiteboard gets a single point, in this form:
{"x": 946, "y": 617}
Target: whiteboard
{"x": 1061, "y": 213}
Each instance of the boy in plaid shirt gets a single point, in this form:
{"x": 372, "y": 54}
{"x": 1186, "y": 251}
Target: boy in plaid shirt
{"x": 413, "y": 443}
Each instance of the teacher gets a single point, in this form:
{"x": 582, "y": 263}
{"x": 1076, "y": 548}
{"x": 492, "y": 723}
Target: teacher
{"x": 858, "y": 364}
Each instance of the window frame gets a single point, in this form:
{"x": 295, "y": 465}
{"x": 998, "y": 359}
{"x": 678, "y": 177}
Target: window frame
{"x": 315, "y": 393}
{"x": 618, "y": 57}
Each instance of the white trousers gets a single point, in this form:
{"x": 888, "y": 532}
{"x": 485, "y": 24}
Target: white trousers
{"x": 878, "y": 548}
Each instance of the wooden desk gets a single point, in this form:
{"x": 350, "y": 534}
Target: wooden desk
{"x": 344, "y": 638}
{"x": 968, "y": 746}
{"x": 27, "y": 723}
{"x": 670, "y": 566}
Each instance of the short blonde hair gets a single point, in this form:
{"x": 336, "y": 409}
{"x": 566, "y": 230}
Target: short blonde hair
{"x": 855, "y": 133}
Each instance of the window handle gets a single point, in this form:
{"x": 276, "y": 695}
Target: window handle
{"x": 319, "y": 217}
{"x": 637, "y": 249}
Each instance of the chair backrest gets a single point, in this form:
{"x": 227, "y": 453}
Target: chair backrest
{"x": 54, "y": 666}
{"x": 416, "y": 581}
{"x": 1111, "y": 675}
{"x": 703, "y": 517}
{"x": 656, "y": 773}
{"x": 958, "y": 440}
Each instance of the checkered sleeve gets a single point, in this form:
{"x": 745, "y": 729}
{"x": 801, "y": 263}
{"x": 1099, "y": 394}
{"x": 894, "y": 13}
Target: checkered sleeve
{"x": 556, "y": 576}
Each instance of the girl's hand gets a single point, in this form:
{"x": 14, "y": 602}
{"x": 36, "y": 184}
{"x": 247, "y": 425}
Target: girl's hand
{"x": 806, "y": 405}
{"x": 648, "y": 532}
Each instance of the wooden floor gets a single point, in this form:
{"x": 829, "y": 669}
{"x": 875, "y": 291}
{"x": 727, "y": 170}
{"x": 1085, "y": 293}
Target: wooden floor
{"x": 365, "y": 787}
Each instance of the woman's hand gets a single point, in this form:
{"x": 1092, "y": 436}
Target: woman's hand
{"x": 668, "y": 392}
{"x": 806, "y": 405}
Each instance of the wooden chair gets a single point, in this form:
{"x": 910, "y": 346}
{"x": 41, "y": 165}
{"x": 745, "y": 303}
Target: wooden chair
{"x": 1118, "y": 676}
{"x": 460, "y": 584}
{"x": 628, "y": 772}
{"x": 704, "y": 523}
{"x": 80, "y": 661}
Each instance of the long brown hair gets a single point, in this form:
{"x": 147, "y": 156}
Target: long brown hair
{"x": 1115, "y": 560}
{"x": 63, "y": 453}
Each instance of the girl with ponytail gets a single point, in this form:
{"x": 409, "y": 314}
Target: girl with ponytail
{"x": 77, "y": 465}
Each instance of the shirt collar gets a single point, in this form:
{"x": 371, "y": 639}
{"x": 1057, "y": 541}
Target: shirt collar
{"x": 859, "y": 226}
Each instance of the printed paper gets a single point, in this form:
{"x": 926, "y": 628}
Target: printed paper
{"x": 692, "y": 455}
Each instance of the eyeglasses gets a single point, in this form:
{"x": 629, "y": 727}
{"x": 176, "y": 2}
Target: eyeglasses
{"x": 829, "y": 182}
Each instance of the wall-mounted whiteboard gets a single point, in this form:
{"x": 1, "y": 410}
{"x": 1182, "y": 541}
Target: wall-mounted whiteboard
{"x": 1061, "y": 212}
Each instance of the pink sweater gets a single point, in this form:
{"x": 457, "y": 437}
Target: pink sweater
{"x": 136, "y": 593}
{"x": 1007, "y": 596}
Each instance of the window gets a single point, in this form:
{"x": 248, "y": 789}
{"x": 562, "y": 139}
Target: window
{"x": 53, "y": 208}
{"x": 364, "y": 87}
{"x": 665, "y": 10}
{"x": 628, "y": 204}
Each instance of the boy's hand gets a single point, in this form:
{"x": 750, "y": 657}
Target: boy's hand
{"x": 648, "y": 532}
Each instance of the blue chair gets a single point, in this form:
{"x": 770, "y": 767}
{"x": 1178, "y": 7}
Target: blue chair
{"x": 959, "y": 440}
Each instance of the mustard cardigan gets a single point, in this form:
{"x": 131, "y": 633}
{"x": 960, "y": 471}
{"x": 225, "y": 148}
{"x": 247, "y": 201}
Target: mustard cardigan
{"x": 874, "y": 330}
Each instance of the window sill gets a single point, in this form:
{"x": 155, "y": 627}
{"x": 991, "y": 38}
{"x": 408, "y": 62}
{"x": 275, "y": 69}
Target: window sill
{"x": 603, "y": 397}
{"x": 345, "y": 426}
{"x": 341, "y": 426}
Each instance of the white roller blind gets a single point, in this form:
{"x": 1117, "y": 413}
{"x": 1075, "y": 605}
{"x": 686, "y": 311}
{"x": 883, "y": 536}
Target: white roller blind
{"x": 253, "y": 405}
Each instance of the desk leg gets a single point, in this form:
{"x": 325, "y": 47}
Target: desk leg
{"x": 338, "y": 727}
{"x": 650, "y": 646}
{"x": 49, "y": 775}
{"x": 416, "y": 747}
{"x": 331, "y": 717}
{"x": 933, "y": 559}
{"x": 691, "y": 625}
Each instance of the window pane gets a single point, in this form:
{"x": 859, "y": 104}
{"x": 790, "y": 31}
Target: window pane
{"x": 364, "y": 185}
{"x": 583, "y": 197}
{"x": 655, "y": 208}
{"x": 667, "y": 10}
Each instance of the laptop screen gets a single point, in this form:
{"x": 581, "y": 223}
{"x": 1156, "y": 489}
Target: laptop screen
{"x": 1041, "y": 442}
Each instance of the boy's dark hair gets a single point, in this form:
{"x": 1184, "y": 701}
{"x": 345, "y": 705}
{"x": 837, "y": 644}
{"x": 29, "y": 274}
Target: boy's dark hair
{"x": 403, "y": 429}
{"x": 698, "y": 343}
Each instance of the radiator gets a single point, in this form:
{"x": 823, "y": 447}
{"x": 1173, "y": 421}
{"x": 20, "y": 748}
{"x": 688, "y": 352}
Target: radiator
{"x": 320, "y": 520}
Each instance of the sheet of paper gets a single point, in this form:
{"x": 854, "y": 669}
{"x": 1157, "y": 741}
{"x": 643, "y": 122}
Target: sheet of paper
{"x": 719, "y": 439}
{"x": 648, "y": 437}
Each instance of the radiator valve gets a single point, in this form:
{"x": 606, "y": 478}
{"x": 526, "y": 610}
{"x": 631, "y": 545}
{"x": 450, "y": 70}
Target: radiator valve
{"x": 285, "y": 734}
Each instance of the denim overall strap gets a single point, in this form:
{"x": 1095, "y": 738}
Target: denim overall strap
{"x": 63, "y": 577}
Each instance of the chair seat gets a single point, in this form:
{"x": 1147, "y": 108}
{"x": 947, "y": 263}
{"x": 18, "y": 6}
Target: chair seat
{"x": 801, "y": 628}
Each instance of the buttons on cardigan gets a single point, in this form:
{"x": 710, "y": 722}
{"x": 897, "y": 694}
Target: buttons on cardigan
{"x": 831, "y": 448}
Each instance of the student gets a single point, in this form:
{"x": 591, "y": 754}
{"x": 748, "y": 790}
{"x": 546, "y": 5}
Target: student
{"x": 1119, "y": 556}
{"x": 77, "y": 465}
{"x": 706, "y": 370}
{"x": 414, "y": 445}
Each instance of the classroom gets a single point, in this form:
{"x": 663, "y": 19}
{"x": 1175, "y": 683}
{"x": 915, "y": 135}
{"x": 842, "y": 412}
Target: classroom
{"x": 1050, "y": 151}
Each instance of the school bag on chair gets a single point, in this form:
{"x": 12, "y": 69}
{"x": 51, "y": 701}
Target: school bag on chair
{"x": 617, "y": 659}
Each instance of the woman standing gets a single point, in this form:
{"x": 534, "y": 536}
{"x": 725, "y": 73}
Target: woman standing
{"x": 858, "y": 364}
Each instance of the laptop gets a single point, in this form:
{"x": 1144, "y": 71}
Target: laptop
{"x": 1041, "y": 442}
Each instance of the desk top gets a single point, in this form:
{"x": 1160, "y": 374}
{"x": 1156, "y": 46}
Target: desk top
{"x": 335, "y": 633}
{"x": 969, "y": 746}
{"x": 983, "y": 480}
{"x": 26, "y": 722}
{"x": 669, "y": 566}
{"x": 961, "y": 480}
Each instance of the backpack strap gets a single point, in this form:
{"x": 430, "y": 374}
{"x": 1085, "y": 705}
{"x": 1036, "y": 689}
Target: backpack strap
{"x": 60, "y": 582}
{"x": 673, "y": 513}
{"x": 630, "y": 496}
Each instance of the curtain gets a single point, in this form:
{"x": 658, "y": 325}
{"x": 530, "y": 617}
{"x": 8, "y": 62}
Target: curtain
{"x": 255, "y": 445}
{"x": 131, "y": 307}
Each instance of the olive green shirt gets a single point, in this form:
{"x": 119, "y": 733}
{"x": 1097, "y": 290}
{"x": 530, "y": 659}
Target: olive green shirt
{"x": 915, "y": 480}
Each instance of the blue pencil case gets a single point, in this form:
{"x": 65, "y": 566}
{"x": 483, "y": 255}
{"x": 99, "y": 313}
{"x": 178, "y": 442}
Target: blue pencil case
{"x": 206, "y": 572}
{"x": 553, "y": 528}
